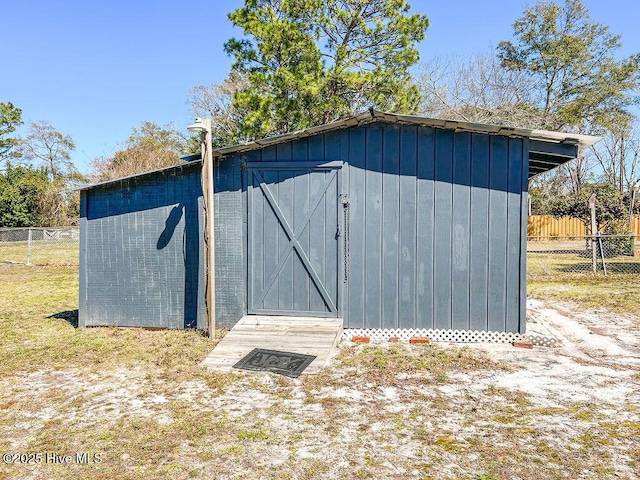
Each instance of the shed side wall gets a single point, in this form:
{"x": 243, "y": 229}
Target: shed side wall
{"x": 142, "y": 252}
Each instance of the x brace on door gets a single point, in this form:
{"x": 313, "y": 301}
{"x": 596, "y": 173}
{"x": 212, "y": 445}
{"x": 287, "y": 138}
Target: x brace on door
{"x": 294, "y": 243}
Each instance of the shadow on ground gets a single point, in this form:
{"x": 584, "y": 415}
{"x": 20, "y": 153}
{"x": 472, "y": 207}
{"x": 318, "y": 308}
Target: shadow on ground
{"x": 70, "y": 316}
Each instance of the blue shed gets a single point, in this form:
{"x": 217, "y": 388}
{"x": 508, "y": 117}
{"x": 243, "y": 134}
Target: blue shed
{"x": 387, "y": 221}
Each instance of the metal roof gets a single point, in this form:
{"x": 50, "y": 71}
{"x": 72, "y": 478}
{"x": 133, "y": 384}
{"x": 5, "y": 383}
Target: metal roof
{"x": 583, "y": 141}
{"x": 136, "y": 175}
{"x": 539, "y": 161}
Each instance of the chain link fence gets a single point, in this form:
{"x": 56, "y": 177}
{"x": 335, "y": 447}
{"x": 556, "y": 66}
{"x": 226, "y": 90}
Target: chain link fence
{"x": 40, "y": 246}
{"x": 600, "y": 255}
{"x": 553, "y": 255}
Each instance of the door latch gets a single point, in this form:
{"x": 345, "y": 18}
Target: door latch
{"x": 344, "y": 200}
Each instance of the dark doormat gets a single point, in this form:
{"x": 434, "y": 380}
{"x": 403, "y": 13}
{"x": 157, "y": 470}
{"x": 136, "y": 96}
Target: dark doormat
{"x": 284, "y": 363}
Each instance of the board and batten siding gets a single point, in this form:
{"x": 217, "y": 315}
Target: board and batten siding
{"x": 437, "y": 224}
{"x": 230, "y": 233}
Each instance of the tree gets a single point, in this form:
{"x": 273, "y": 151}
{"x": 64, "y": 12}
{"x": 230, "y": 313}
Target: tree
{"x": 611, "y": 211}
{"x": 10, "y": 119}
{"x": 545, "y": 189}
{"x": 216, "y": 102}
{"x": 149, "y": 147}
{"x": 618, "y": 155}
{"x": 309, "y": 62}
{"x": 571, "y": 60}
{"x": 476, "y": 89}
{"x": 20, "y": 190}
{"x": 28, "y": 198}
{"x": 46, "y": 146}
{"x": 57, "y": 206}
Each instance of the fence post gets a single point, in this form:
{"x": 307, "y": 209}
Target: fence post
{"x": 592, "y": 208}
{"x": 29, "y": 248}
{"x": 634, "y": 190}
{"x": 604, "y": 265}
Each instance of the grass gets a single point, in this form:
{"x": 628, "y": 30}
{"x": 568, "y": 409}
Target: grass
{"x": 571, "y": 263}
{"x": 397, "y": 364}
{"x": 615, "y": 293}
{"x": 567, "y": 276}
{"x": 139, "y": 399}
{"x": 39, "y": 312}
{"x": 561, "y": 257}
{"x": 42, "y": 252}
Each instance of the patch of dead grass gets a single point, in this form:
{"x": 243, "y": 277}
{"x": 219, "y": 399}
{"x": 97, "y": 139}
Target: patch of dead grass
{"x": 398, "y": 364}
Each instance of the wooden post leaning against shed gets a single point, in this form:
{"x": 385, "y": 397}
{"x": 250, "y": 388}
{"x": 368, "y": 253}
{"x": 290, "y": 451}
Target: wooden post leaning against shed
{"x": 203, "y": 125}
{"x": 210, "y": 239}
{"x": 594, "y": 227}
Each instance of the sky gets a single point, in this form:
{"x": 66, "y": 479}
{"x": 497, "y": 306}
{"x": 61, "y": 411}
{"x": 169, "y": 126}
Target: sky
{"x": 95, "y": 70}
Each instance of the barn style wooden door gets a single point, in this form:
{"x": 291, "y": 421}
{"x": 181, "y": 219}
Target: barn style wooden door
{"x": 293, "y": 233}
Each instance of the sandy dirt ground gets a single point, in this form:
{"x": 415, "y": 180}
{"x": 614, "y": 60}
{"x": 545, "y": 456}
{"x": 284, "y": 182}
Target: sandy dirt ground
{"x": 567, "y": 412}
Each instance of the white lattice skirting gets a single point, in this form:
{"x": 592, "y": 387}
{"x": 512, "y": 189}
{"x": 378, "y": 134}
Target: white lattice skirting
{"x": 455, "y": 336}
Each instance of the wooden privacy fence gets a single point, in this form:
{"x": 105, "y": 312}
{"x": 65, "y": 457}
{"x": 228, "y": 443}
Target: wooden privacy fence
{"x": 549, "y": 226}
